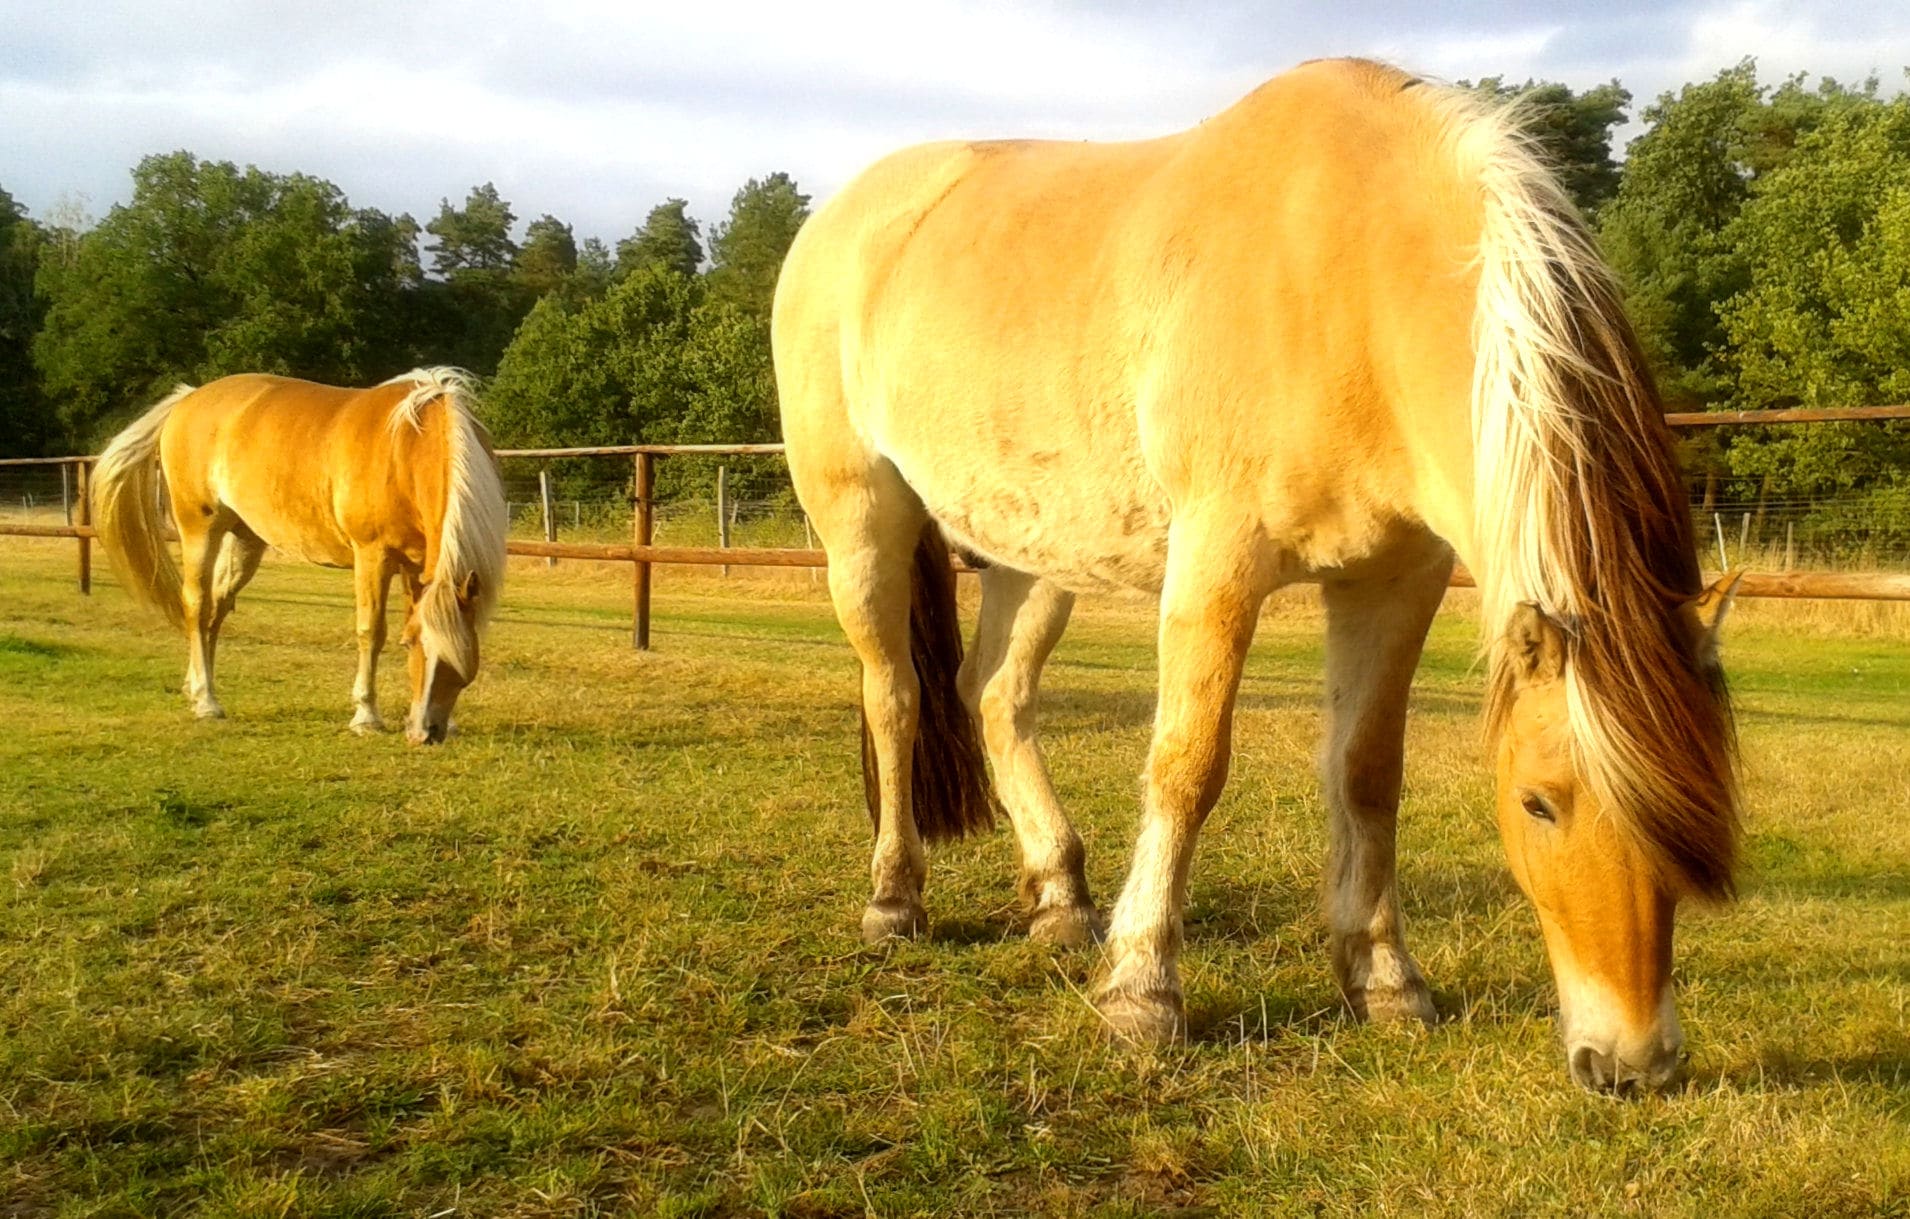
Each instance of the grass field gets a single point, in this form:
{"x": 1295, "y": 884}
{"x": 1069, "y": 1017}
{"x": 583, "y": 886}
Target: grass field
{"x": 597, "y": 955}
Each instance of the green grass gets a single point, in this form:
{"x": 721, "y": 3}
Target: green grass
{"x": 597, "y": 955}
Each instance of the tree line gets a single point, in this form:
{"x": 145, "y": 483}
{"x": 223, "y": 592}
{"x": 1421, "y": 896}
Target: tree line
{"x": 1762, "y": 234}
{"x": 212, "y": 269}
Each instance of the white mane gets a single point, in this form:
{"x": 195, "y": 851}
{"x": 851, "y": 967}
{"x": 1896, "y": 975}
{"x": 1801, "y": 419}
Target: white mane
{"x": 475, "y": 524}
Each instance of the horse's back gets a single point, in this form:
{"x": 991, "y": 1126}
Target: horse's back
{"x": 287, "y": 457}
{"x": 1062, "y": 345}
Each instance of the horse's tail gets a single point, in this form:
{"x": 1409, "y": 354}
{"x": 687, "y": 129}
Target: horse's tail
{"x": 948, "y": 775}
{"x": 127, "y": 481}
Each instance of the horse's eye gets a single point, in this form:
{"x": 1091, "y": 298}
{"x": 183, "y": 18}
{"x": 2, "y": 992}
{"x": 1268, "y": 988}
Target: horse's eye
{"x": 1538, "y": 806}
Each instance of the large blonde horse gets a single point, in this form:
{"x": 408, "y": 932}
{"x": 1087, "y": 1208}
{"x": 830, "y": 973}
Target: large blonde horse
{"x": 396, "y": 480}
{"x": 1346, "y": 329}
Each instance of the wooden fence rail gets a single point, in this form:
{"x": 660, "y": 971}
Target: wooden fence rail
{"x": 643, "y": 554}
{"x": 80, "y": 519}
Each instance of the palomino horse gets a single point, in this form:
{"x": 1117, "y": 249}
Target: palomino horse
{"x": 393, "y": 480}
{"x": 1344, "y": 330}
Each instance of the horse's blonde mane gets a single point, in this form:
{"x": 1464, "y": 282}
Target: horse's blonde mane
{"x": 475, "y": 524}
{"x": 1580, "y": 508}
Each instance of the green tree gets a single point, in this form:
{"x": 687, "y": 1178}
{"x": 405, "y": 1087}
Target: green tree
{"x": 212, "y": 270}
{"x": 651, "y": 361}
{"x": 476, "y": 237}
{"x": 25, "y": 425}
{"x": 1824, "y": 316}
{"x": 548, "y": 256}
{"x": 595, "y": 261}
{"x": 668, "y": 239}
{"x": 732, "y": 378}
{"x": 608, "y": 371}
{"x": 1685, "y": 180}
{"x": 1573, "y": 129}
{"x": 747, "y": 250}
{"x": 466, "y": 316}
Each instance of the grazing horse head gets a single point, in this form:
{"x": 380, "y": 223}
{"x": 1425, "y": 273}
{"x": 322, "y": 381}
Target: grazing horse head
{"x": 465, "y": 559}
{"x": 441, "y": 641}
{"x": 1605, "y": 899}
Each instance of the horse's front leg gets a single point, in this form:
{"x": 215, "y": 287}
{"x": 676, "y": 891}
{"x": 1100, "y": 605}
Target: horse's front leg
{"x": 1375, "y": 629}
{"x": 371, "y": 578}
{"x": 1214, "y": 588}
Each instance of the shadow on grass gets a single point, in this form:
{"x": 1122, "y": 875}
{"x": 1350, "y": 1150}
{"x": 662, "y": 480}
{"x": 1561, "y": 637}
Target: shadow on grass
{"x": 1236, "y": 910}
{"x": 1801, "y": 866}
{"x": 968, "y": 930}
{"x": 1749, "y": 715}
{"x": 1235, "y": 1016}
{"x": 583, "y": 734}
{"x": 33, "y": 649}
{"x": 1884, "y": 884}
{"x": 1785, "y": 1066}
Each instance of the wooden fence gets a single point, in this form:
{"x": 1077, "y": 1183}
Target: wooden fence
{"x": 643, "y": 554}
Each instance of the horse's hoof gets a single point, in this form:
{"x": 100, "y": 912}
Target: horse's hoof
{"x": 1152, "y": 1018}
{"x": 1066, "y": 926}
{"x": 367, "y": 725}
{"x": 1411, "y": 1001}
{"x": 208, "y": 711}
{"x": 892, "y": 920}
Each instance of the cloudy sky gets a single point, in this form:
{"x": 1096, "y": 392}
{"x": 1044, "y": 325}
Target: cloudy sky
{"x": 596, "y": 109}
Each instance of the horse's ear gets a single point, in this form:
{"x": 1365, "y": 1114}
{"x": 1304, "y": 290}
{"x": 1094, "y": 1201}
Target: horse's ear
{"x": 1536, "y": 645}
{"x": 468, "y": 588}
{"x": 1708, "y": 610}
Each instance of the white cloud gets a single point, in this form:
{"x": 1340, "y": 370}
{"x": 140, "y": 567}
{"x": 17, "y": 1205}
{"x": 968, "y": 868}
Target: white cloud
{"x": 594, "y": 109}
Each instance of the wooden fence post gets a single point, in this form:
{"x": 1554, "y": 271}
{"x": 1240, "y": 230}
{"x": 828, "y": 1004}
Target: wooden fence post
{"x": 66, "y": 491}
{"x": 85, "y": 478}
{"x": 550, "y": 518}
{"x": 644, "y": 527}
{"x": 722, "y": 515}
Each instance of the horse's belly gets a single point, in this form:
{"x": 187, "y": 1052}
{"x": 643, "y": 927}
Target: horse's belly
{"x": 310, "y": 536}
{"x": 1082, "y": 544}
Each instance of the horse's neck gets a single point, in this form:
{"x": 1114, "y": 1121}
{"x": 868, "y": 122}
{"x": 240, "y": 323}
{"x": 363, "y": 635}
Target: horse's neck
{"x": 421, "y": 474}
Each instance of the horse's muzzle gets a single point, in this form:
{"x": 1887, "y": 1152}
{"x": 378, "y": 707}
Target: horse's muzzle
{"x": 423, "y": 731}
{"x": 1606, "y": 1070}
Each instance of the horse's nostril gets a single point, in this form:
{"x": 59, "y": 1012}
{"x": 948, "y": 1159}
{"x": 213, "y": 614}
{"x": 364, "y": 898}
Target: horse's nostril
{"x": 1592, "y": 1068}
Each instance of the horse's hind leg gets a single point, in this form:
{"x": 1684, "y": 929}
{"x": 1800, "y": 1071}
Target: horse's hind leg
{"x": 870, "y": 523}
{"x": 1375, "y": 629}
{"x": 1022, "y": 619}
{"x": 238, "y": 562}
{"x": 200, "y": 538}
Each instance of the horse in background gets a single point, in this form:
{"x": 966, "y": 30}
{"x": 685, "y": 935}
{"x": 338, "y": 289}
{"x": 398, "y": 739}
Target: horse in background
{"x": 396, "y": 480}
{"x": 1348, "y": 329}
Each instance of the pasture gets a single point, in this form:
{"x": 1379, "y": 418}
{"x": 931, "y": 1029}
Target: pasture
{"x": 598, "y": 954}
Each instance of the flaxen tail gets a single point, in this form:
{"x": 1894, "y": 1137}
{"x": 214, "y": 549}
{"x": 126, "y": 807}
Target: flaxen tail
{"x": 126, "y": 485}
{"x": 948, "y": 776}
